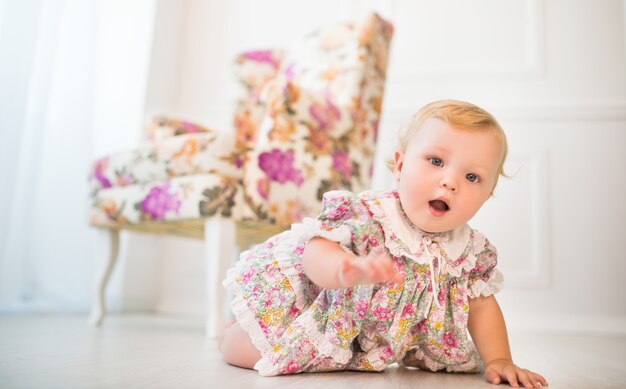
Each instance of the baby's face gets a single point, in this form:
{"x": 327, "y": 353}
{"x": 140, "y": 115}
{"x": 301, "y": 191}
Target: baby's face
{"x": 445, "y": 175}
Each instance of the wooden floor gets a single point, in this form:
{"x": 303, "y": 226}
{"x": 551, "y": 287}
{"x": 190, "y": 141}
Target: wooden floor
{"x": 145, "y": 351}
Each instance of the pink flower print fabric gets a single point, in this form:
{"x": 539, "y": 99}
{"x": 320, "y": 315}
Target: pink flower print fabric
{"x": 342, "y": 164}
{"x": 263, "y": 56}
{"x": 159, "y": 201}
{"x": 278, "y": 165}
{"x": 299, "y": 327}
{"x": 98, "y": 173}
{"x": 325, "y": 115}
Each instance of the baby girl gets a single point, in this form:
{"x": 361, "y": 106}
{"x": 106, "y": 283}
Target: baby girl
{"x": 386, "y": 276}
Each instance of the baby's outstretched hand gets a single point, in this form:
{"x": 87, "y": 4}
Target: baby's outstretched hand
{"x": 500, "y": 370}
{"x": 369, "y": 269}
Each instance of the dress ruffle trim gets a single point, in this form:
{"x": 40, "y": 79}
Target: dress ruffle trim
{"x": 244, "y": 315}
{"x": 310, "y": 228}
{"x": 374, "y": 358}
{"x": 421, "y": 360}
{"x": 486, "y": 288}
{"x": 264, "y": 366}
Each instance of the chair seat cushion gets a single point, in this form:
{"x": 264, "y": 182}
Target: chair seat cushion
{"x": 183, "y": 155}
{"x": 180, "y": 198}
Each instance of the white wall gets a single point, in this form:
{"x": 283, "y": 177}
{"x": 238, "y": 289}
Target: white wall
{"x": 557, "y": 82}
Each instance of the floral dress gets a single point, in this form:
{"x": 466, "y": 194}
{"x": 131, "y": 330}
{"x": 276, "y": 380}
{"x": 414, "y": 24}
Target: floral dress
{"x": 300, "y": 327}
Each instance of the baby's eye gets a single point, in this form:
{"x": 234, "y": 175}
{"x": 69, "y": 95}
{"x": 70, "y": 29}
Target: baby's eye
{"x": 436, "y": 161}
{"x": 471, "y": 177}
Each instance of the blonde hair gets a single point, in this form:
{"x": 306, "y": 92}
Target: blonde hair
{"x": 460, "y": 114}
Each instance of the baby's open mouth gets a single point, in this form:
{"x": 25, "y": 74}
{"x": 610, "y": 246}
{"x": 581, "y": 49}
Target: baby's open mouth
{"x": 439, "y": 205}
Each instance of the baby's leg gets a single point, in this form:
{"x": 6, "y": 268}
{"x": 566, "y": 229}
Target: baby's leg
{"x": 237, "y": 348}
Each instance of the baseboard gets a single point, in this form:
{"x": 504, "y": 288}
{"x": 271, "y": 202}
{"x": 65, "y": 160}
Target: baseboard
{"x": 569, "y": 324}
{"x": 178, "y": 307}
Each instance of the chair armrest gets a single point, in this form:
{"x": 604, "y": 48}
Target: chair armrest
{"x": 210, "y": 152}
{"x": 163, "y": 127}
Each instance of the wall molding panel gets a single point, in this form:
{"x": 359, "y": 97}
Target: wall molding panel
{"x": 517, "y": 220}
{"x": 562, "y": 111}
{"x": 531, "y": 43}
{"x": 567, "y": 324}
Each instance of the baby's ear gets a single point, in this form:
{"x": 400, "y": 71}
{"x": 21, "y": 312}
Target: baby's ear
{"x": 398, "y": 162}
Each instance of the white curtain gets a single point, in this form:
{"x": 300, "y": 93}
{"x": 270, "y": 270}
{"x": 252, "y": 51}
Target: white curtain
{"x": 56, "y": 102}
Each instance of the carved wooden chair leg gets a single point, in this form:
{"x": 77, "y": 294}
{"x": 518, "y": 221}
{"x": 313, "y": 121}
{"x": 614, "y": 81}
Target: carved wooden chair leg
{"x": 220, "y": 248}
{"x": 108, "y": 245}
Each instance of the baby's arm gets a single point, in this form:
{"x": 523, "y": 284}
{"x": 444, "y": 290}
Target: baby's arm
{"x": 329, "y": 266}
{"x": 486, "y": 325}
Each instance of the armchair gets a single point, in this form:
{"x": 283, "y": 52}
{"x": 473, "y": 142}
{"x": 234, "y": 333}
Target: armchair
{"x": 305, "y": 121}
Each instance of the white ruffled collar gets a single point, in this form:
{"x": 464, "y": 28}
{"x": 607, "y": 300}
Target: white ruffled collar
{"x": 454, "y": 250}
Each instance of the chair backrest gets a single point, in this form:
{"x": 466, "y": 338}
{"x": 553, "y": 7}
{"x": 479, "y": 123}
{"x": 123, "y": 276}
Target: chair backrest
{"x": 253, "y": 70}
{"x": 309, "y": 117}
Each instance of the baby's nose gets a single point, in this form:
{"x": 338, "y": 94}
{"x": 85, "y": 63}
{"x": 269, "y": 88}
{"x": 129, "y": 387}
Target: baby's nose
{"x": 449, "y": 184}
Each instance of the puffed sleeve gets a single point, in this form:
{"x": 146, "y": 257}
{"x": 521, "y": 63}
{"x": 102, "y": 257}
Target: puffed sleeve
{"x": 484, "y": 279}
{"x": 344, "y": 219}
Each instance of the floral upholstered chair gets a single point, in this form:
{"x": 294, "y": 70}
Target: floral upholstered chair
{"x": 305, "y": 121}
